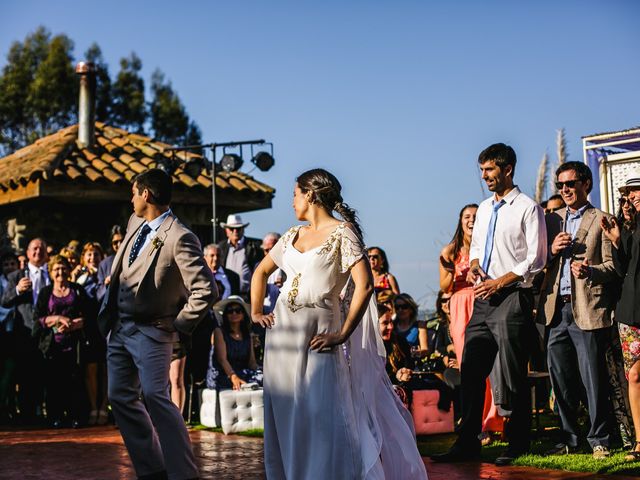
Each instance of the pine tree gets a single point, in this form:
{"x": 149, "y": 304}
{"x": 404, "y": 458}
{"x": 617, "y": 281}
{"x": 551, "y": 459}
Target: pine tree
{"x": 103, "y": 83}
{"x": 128, "y": 108}
{"x": 169, "y": 119}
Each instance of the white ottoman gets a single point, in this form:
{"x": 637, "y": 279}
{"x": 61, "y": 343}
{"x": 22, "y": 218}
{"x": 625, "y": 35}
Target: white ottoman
{"x": 241, "y": 410}
{"x": 209, "y": 408}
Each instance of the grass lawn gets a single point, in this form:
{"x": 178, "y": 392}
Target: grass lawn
{"x": 583, "y": 462}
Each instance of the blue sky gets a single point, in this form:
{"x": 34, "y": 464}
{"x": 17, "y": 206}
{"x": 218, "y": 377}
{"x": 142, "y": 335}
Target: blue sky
{"x": 397, "y": 98}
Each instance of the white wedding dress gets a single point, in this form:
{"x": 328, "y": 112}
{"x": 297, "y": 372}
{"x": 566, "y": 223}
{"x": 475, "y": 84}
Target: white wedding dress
{"x": 330, "y": 415}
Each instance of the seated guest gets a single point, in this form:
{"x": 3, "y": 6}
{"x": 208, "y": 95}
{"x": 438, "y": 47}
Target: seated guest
{"x": 382, "y": 279}
{"x": 227, "y": 281}
{"x": 59, "y": 313}
{"x": 104, "y": 269}
{"x": 407, "y": 324}
{"x": 400, "y": 365}
{"x": 233, "y": 361}
{"x": 94, "y": 348}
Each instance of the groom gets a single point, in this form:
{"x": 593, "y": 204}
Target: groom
{"x": 160, "y": 285}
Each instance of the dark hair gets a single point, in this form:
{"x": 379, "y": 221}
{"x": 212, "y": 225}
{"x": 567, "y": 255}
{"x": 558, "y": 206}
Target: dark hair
{"x": 623, "y": 222}
{"x": 556, "y": 196}
{"x": 116, "y": 230}
{"x": 326, "y": 191}
{"x": 157, "y": 182}
{"x": 458, "y": 237}
{"x": 500, "y": 153}
{"x": 583, "y": 172}
{"x": 383, "y": 255}
{"x": 440, "y": 301}
{"x": 244, "y": 326}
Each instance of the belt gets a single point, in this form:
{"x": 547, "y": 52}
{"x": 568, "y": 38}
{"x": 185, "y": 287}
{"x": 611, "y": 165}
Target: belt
{"x": 565, "y": 298}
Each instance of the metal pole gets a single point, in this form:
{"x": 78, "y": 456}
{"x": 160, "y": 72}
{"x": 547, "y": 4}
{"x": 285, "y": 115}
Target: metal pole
{"x": 214, "y": 219}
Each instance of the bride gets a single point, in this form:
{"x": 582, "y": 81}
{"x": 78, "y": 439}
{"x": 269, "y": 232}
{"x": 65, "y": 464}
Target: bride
{"x": 330, "y": 410}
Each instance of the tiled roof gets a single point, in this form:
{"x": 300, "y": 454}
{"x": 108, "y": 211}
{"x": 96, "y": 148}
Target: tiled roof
{"x": 117, "y": 156}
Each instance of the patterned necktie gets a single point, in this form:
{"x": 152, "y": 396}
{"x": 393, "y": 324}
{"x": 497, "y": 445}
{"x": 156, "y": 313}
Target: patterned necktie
{"x": 488, "y": 245}
{"x": 137, "y": 245}
{"x": 38, "y": 284}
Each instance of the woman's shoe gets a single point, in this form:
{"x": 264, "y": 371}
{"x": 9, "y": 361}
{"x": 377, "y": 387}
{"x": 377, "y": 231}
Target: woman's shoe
{"x": 93, "y": 417}
{"x": 633, "y": 455}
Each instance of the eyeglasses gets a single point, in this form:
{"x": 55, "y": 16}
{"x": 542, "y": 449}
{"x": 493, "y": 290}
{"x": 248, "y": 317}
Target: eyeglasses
{"x": 116, "y": 242}
{"x": 231, "y": 310}
{"x": 402, "y": 306}
{"x": 568, "y": 183}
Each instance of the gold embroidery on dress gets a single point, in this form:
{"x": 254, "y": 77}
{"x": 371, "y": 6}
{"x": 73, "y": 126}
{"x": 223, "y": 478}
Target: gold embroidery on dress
{"x": 293, "y": 293}
{"x": 339, "y": 244}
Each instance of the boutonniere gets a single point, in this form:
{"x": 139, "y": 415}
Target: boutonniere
{"x": 156, "y": 243}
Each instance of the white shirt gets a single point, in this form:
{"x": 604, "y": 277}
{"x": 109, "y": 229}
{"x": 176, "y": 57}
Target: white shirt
{"x": 154, "y": 225}
{"x": 519, "y": 240}
{"x": 34, "y": 276}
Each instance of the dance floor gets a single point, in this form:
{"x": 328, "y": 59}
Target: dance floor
{"x": 98, "y": 453}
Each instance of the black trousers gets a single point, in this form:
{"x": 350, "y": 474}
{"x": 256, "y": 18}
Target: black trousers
{"x": 577, "y": 366}
{"x": 65, "y": 392}
{"x": 500, "y": 326}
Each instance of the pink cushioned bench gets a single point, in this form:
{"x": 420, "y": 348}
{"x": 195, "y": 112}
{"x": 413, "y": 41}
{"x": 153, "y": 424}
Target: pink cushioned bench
{"x": 426, "y": 416}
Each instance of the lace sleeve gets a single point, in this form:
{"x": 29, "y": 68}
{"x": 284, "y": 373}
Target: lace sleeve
{"x": 277, "y": 252}
{"x": 351, "y": 249}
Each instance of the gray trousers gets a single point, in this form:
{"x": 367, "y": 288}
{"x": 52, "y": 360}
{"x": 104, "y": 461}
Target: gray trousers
{"x": 156, "y": 436}
{"x": 574, "y": 355}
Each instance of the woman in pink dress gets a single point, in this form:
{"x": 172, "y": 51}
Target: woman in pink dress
{"x": 454, "y": 265}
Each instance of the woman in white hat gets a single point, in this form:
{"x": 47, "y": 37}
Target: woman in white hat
{"x": 232, "y": 361}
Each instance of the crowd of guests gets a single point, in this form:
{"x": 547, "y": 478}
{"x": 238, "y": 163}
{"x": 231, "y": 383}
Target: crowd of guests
{"x": 523, "y": 287}
{"x": 544, "y": 288}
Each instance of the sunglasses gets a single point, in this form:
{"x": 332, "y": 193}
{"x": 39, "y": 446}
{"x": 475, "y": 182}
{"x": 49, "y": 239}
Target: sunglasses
{"x": 374, "y": 257}
{"x": 624, "y": 201}
{"x": 568, "y": 183}
{"x": 231, "y": 310}
{"x": 402, "y": 306}
{"x": 235, "y": 228}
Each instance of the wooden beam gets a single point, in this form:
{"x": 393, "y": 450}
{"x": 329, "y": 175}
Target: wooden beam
{"x": 20, "y": 193}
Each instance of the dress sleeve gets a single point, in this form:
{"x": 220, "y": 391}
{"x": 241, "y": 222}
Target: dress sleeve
{"x": 277, "y": 251}
{"x": 351, "y": 249}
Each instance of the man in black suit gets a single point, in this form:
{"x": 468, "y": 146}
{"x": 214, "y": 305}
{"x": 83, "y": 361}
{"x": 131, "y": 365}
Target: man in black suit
{"x": 239, "y": 253}
{"x": 21, "y": 293}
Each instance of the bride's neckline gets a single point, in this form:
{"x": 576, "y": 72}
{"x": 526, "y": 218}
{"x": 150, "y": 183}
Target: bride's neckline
{"x": 295, "y": 237}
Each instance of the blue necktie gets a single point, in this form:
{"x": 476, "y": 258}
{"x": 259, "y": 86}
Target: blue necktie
{"x": 137, "y": 245}
{"x": 488, "y": 245}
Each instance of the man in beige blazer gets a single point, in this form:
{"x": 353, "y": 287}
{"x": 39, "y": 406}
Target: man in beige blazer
{"x": 160, "y": 285}
{"x": 575, "y": 304}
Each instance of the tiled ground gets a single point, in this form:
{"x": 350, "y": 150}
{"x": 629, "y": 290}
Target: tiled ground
{"x": 98, "y": 453}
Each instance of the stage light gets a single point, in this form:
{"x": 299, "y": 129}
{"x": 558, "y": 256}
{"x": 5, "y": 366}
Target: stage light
{"x": 263, "y": 160}
{"x": 193, "y": 167}
{"x": 231, "y": 162}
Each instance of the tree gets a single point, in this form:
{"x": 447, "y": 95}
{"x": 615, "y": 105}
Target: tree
{"x": 561, "y": 150}
{"x": 541, "y": 181}
{"x": 169, "y": 119}
{"x": 103, "y": 83}
{"x": 37, "y": 89}
{"x": 128, "y": 109}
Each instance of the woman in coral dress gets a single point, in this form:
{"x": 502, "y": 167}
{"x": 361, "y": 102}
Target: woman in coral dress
{"x": 454, "y": 266}
{"x": 330, "y": 411}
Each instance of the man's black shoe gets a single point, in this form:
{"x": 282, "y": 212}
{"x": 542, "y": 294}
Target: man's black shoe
{"x": 458, "y": 453}
{"x": 507, "y": 457}
{"x": 561, "y": 449}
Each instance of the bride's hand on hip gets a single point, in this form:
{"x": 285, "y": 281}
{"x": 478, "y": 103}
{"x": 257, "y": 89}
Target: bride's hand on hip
{"x": 325, "y": 341}
{"x": 267, "y": 321}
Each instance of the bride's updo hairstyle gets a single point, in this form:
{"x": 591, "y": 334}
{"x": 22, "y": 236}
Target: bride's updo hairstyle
{"x": 326, "y": 191}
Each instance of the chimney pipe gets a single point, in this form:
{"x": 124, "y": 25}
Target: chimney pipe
{"x": 87, "y": 105}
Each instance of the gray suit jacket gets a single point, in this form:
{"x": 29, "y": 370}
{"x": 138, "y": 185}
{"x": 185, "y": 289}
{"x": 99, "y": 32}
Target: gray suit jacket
{"x": 176, "y": 287}
{"x": 591, "y": 300}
